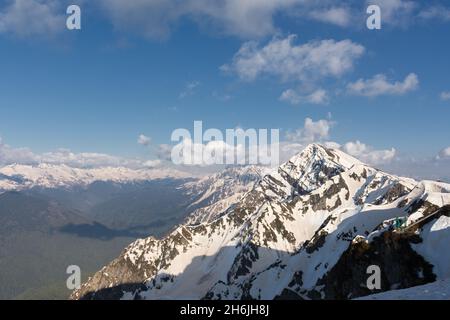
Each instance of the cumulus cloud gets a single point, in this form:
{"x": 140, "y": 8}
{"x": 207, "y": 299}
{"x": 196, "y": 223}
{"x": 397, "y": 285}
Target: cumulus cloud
{"x": 444, "y": 154}
{"x": 291, "y": 96}
{"x": 284, "y": 59}
{"x": 240, "y": 147}
{"x": 152, "y": 163}
{"x": 339, "y": 16}
{"x": 187, "y": 152}
{"x": 144, "y": 140}
{"x": 380, "y": 85}
{"x": 359, "y": 150}
{"x": 29, "y": 18}
{"x": 368, "y": 154}
{"x": 319, "y": 96}
{"x": 312, "y": 131}
{"x": 10, "y": 155}
{"x": 319, "y": 132}
{"x": 445, "y": 95}
{"x": 332, "y": 145}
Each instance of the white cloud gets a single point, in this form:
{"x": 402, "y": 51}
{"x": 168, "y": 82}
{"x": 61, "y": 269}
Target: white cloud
{"x": 444, "y": 154}
{"x": 312, "y": 131}
{"x": 144, "y": 140}
{"x": 445, "y": 95}
{"x": 319, "y": 96}
{"x": 319, "y": 132}
{"x": 282, "y": 58}
{"x": 29, "y": 18}
{"x": 367, "y": 153}
{"x": 380, "y": 85}
{"x": 337, "y": 16}
{"x": 10, "y": 155}
{"x": 357, "y": 149}
{"x": 332, "y": 145}
{"x": 152, "y": 163}
{"x": 190, "y": 153}
{"x": 189, "y": 89}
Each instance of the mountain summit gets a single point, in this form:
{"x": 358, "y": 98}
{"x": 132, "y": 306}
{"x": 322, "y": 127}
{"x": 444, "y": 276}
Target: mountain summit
{"x": 307, "y": 230}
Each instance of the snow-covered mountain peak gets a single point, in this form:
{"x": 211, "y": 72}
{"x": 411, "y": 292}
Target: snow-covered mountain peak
{"x": 307, "y": 171}
{"x": 294, "y": 234}
{"x": 315, "y": 154}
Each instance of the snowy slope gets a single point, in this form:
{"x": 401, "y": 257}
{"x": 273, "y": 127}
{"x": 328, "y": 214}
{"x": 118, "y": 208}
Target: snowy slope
{"x": 439, "y": 290}
{"x": 216, "y": 193}
{"x": 434, "y": 248}
{"x": 288, "y": 235}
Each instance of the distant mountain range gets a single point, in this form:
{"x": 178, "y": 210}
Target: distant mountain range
{"x": 19, "y": 177}
{"x": 54, "y": 216}
{"x": 306, "y": 230}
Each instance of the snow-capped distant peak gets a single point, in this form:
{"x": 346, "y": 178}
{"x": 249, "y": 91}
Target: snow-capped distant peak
{"x": 19, "y": 177}
{"x": 221, "y": 190}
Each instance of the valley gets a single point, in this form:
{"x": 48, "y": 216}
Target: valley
{"x": 46, "y": 227}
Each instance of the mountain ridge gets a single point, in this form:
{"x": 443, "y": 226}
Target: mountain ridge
{"x": 287, "y": 233}
{"x": 20, "y": 177}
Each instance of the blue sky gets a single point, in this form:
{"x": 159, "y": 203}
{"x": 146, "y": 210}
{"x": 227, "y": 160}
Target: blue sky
{"x": 152, "y": 67}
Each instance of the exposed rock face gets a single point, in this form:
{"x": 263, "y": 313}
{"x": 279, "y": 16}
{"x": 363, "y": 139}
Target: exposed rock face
{"x": 392, "y": 252}
{"x": 307, "y": 230}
